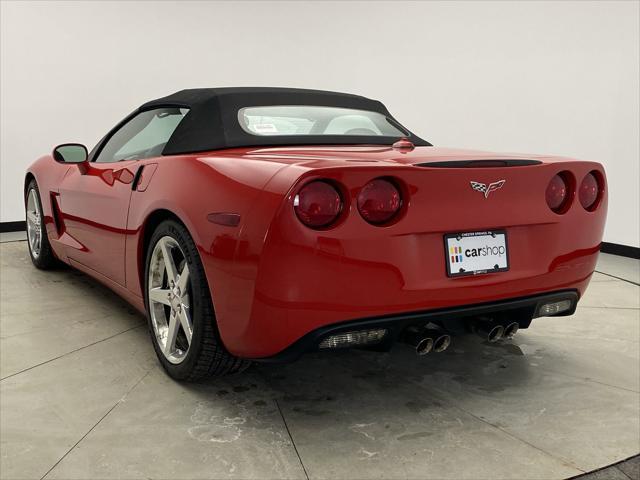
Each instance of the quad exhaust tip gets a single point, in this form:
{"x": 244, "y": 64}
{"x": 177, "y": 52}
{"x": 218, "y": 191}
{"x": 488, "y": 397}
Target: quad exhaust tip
{"x": 495, "y": 334}
{"x": 424, "y": 346}
{"x": 427, "y": 340}
{"x": 442, "y": 343}
{"x": 488, "y": 330}
{"x": 511, "y": 329}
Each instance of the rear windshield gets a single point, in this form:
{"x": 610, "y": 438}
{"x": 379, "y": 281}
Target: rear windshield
{"x": 287, "y": 120}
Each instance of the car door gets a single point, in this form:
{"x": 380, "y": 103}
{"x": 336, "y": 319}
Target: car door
{"x": 94, "y": 198}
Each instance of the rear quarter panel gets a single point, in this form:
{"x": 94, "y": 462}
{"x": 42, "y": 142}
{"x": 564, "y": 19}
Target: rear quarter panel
{"x": 191, "y": 188}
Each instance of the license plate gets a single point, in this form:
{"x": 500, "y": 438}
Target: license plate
{"x": 475, "y": 253}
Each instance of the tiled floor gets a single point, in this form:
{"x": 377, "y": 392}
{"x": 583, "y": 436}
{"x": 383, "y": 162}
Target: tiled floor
{"x": 82, "y": 396}
{"x": 625, "y": 470}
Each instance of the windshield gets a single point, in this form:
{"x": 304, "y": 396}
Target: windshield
{"x": 287, "y": 120}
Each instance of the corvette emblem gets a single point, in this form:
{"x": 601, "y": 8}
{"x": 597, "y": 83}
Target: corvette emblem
{"x": 487, "y": 189}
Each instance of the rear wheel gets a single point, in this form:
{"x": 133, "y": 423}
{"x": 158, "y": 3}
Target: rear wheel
{"x": 181, "y": 319}
{"x": 39, "y": 247}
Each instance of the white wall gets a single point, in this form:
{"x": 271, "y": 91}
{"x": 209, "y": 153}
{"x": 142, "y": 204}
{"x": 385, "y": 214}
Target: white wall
{"x": 539, "y": 77}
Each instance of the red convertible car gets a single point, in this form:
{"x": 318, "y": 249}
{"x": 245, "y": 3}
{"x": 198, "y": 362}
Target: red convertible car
{"x": 256, "y": 224}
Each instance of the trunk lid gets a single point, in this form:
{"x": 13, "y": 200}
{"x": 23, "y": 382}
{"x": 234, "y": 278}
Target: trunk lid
{"x": 325, "y": 156}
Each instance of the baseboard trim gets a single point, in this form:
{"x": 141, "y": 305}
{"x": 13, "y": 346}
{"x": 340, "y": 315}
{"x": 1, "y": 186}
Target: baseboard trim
{"x": 605, "y": 247}
{"x": 13, "y": 226}
{"x": 621, "y": 250}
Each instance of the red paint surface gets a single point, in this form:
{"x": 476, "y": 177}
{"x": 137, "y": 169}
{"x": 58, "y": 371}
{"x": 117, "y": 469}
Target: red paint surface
{"x": 272, "y": 279}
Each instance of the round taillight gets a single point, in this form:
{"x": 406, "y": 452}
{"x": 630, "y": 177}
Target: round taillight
{"x": 589, "y": 191}
{"x": 317, "y": 204}
{"x": 379, "y": 201}
{"x": 557, "y": 193}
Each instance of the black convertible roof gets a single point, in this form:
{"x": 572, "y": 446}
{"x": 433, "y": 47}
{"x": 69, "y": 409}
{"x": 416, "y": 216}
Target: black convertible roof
{"x": 212, "y": 122}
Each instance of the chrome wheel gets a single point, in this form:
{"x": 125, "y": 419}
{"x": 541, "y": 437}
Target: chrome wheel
{"x": 34, "y": 225}
{"x": 169, "y": 291}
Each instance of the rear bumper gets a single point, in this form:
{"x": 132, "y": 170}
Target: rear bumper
{"x": 521, "y": 310}
{"x": 313, "y": 290}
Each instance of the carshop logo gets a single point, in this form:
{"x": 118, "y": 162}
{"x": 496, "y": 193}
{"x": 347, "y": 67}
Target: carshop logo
{"x": 496, "y": 251}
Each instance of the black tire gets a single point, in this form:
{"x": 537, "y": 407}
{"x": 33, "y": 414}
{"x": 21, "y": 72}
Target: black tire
{"x": 206, "y": 356}
{"x": 44, "y": 259}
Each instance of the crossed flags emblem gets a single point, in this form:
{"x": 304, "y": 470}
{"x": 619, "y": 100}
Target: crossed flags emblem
{"x": 487, "y": 189}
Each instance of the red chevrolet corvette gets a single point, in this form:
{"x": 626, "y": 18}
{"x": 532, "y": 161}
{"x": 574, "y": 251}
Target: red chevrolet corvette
{"x": 262, "y": 223}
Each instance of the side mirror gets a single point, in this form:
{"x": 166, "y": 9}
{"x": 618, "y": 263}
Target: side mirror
{"x": 70, "y": 153}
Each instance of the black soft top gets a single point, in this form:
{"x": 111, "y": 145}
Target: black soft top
{"x": 212, "y": 122}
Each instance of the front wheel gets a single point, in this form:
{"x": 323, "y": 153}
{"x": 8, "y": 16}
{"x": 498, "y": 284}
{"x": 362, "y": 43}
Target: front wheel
{"x": 181, "y": 319}
{"x": 39, "y": 247}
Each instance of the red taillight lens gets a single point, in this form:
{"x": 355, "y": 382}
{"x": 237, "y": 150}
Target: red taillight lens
{"x": 317, "y": 204}
{"x": 589, "y": 191}
{"x": 379, "y": 201}
{"x": 557, "y": 193}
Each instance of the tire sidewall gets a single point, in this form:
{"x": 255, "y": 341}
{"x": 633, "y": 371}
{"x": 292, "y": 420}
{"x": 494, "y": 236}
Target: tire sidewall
{"x": 200, "y": 311}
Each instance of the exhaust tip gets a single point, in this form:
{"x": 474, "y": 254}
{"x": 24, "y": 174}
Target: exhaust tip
{"x": 424, "y": 346}
{"x": 511, "y": 329}
{"x": 442, "y": 343}
{"x": 495, "y": 334}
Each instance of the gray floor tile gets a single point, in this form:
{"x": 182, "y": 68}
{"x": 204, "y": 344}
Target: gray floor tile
{"x": 48, "y": 298}
{"x": 360, "y": 415}
{"x": 623, "y": 267}
{"x": 584, "y": 423}
{"x": 48, "y": 314}
{"x": 601, "y": 277}
{"x": 46, "y": 410}
{"x": 617, "y": 294}
{"x": 197, "y": 431}
{"x": 598, "y": 344}
{"x": 23, "y": 351}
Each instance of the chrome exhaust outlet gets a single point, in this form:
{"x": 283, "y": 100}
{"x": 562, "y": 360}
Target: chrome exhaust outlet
{"x": 488, "y": 330}
{"x": 511, "y": 329}
{"x": 441, "y": 343}
{"x": 424, "y": 346}
{"x": 422, "y": 343}
{"x": 441, "y": 340}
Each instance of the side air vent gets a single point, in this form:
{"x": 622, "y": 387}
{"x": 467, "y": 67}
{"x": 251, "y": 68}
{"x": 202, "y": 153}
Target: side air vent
{"x": 479, "y": 163}
{"x": 55, "y": 209}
